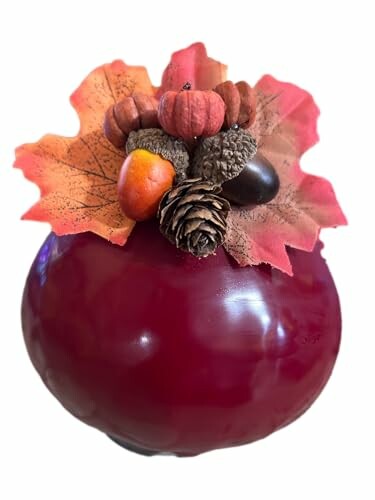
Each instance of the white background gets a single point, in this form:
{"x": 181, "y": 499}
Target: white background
{"x": 46, "y": 49}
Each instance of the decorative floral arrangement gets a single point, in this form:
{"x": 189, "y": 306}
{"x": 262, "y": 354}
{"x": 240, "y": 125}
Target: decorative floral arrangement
{"x": 216, "y": 162}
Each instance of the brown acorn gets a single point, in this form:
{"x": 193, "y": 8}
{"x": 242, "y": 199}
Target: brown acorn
{"x": 131, "y": 113}
{"x": 223, "y": 156}
{"x": 158, "y": 142}
{"x": 230, "y": 159}
{"x": 256, "y": 184}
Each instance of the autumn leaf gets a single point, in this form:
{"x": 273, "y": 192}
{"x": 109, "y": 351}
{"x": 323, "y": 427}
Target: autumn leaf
{"x": 194, "y": 66}
{"x": 77, "y": 176}
{"x": 285, "y": 128}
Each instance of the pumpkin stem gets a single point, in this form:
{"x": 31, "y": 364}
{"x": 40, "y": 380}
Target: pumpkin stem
{"x": 187, "y": 86}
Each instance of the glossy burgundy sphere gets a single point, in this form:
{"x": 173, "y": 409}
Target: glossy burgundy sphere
{"x": 170, "y": 353}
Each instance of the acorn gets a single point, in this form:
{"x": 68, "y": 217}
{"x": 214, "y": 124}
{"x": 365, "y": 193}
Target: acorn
{"x": 230, "y": 159}
{"x": 143, "y": 180}
{"x": 154, "y": 162}
{"x": 258, "y": 183}
{"x": 223, "y": 156}
{"x": 162, "y": 144}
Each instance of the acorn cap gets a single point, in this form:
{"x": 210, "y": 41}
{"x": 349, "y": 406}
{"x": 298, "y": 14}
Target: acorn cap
{"x": 223, "y": 156}
{"x": 158, "y": 142}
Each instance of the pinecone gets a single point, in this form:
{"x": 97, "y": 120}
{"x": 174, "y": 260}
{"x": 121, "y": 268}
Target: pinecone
{"x": 193, "y": 216}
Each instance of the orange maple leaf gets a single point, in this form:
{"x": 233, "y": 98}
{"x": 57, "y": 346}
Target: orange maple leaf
{"x": 78, "y": 176}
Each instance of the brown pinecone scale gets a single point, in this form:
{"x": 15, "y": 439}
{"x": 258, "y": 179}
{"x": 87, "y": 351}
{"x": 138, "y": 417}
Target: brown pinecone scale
{"x": 193, "y": 216}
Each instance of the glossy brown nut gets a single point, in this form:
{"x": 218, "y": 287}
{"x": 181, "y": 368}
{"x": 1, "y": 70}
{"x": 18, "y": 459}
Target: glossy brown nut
{"x": 258, "y": 183}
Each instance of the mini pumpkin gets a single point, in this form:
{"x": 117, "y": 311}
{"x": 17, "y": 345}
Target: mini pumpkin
{"x": 131, "y": 113}
{"x": 191, "y": 113}
{"x": 240, "y": 103}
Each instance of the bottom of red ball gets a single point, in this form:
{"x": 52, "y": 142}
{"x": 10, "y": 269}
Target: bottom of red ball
{"x": 145, "y": 452}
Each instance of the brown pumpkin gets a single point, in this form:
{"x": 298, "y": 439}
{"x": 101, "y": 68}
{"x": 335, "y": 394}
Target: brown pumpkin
{"x": 191, "y": 113}
{"x": 131, "y": 113}
{"x": 240, "y": 103}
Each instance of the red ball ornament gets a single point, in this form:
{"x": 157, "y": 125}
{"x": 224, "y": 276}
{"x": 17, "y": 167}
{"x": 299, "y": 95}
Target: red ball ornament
{"x": 168, "y": 353}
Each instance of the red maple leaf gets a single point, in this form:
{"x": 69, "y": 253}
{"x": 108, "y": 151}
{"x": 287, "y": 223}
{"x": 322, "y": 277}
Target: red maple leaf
{"x": 285, "y": 128}
{"x": 192, "y": 65}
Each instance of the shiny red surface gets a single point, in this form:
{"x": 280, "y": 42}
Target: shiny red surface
{"x": 171, "y": 353}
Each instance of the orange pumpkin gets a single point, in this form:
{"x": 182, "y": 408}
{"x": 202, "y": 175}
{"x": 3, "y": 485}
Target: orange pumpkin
{"x": 143, "y": 180}
{"x": 131, "y": 113}
{"x": 240, "y": 103}
{"x": 191, "y": 113}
